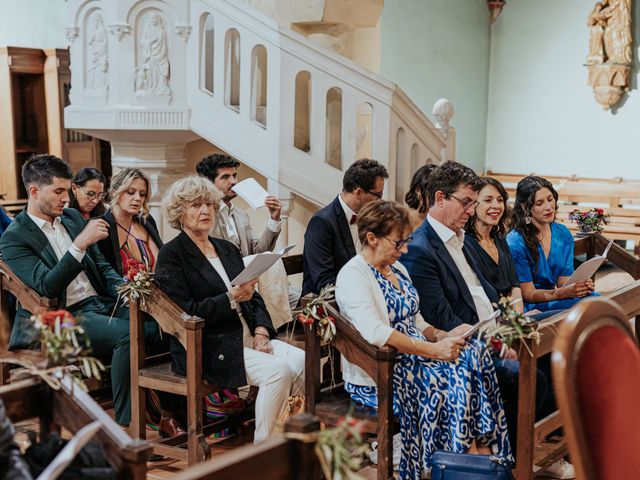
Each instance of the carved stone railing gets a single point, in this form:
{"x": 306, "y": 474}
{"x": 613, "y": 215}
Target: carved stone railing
{"x": 146, "y": 72}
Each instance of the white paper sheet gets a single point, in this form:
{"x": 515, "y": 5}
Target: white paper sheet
{"x": 588, "y": 268}
{"x": 476, "y": 328}
{"x": 251, "y": 192}
{"x": 69, "y": 452}
{"x": 260, "y": 264}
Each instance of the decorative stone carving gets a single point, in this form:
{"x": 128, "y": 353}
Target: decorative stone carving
{"x": 97, "y": 63}
{"x": 152, "y": 72}
{"x": 610, "y": 50}
{"x": 72, "y": 33}
{"x": 184, "y": 32}
{"x": 443, "y": 111}
{"x": 119, "y": 30}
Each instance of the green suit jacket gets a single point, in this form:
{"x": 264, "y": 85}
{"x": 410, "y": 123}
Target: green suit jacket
{"x": 29, "y": 254}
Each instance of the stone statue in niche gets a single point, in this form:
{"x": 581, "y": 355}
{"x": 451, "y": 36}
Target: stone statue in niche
{"x": 97, "y": 55}
{"x": 610, "y": 50}
{"x": 152, "y": 74}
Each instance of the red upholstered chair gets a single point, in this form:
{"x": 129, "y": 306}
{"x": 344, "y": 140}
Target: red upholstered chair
{"x": 596, "y": 375}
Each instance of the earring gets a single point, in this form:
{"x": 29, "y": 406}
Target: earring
{"x": 527, "y": 219}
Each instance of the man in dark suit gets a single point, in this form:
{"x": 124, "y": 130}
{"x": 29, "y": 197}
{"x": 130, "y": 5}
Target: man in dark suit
{"x": 452, "y": 290}
{"x": 331, "y": 238}
{"x": 52, "y": 250}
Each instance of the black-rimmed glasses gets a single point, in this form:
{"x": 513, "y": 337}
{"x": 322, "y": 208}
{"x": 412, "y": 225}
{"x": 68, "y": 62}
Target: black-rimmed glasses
{"x": 466, "y": 204}
{"x": 400, "y": 243}
{"x": 375, "y": 194}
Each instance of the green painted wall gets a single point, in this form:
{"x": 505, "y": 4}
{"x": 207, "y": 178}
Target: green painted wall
{"x": 33, "y": 23}
{"x": 440, "y": 48}
{"x": 542, "y": 114}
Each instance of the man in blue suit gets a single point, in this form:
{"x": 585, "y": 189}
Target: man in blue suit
{"x": 452, "y": 290}
{"x": 331, "y": 238}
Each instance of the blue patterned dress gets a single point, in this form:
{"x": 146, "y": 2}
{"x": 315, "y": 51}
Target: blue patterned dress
{"x": 441, "y": 405}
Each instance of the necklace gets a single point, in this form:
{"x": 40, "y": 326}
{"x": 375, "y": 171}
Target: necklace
{"x": 388, "y": 273}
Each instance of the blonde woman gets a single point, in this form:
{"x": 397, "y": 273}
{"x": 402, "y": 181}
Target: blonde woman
{"x": 132, "y": 231}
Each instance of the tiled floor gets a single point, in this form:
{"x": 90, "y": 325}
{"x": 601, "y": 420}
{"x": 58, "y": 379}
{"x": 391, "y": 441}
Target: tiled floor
{"x": 607, "y": 280}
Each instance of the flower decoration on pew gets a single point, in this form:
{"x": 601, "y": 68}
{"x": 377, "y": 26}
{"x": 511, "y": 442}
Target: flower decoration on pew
{"x": 137, "y": 283}
{"x": 591, "y": 220}
{"x": 341, "y": 449}
{"x": 316, "y": 314}
{"x": 510, "y": 326}
{"x": 67, "y": 350}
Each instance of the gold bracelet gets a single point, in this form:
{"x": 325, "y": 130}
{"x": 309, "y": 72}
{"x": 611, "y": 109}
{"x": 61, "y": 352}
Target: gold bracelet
{"x": 263, "y": 334}
{"x": 413, "y": 342}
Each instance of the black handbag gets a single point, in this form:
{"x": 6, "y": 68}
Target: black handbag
{"x": 464, "y": 466}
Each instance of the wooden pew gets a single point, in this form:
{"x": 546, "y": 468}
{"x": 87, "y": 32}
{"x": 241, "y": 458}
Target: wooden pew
{"x": 531, "y": 433}
{"x": 71, "y": 408}
{"x": 284, "y": 457}
{"x": 32, "y": 302}
{"x": 329, "y": 404}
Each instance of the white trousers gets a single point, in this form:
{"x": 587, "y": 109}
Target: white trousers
{"x": 278, "y": 375}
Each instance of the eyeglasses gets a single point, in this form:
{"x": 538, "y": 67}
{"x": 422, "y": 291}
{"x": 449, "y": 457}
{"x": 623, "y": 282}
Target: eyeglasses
{"x": 400, "y": 243}
{"x": 466, "y": 204}
{"x": 375, "y": 194}
{"x": 93, "y": 195}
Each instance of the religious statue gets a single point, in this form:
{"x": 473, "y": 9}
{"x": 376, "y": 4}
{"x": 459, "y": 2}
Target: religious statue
{"x": 597, "y": 21}
{"x": 152, "y": 77}
{"x": 98, "y": 55}
{"x": 610, "y": 50}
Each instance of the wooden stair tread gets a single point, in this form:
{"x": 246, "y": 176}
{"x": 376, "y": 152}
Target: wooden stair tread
{"x": 336, "y": 405}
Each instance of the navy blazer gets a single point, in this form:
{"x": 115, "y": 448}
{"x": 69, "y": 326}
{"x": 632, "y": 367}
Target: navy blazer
{"x": 189, "y": 279}
{"x": 328, "y": 245}
{"x": 110, "y": 248}
{"x": 445, "y": 299}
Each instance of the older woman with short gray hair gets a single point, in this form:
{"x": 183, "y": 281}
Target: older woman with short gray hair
{"x": 196, "y": 270}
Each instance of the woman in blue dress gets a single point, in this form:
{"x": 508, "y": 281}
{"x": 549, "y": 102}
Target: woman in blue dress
{"x": 445, "y": 391}
{"x": 543, "y": 249}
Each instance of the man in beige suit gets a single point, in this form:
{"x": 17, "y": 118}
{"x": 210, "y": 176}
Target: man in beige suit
{"x": 232, "y": 223}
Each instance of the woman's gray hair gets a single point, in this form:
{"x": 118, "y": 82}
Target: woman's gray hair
{"x": 186, "y": 191}
{"x": 121, "y": 182}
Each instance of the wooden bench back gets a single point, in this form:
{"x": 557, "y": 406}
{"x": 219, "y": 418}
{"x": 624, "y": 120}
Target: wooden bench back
{"x": 285, "y": 457}
{"x": 72, "y": 409}
{"x": 26, "y": 296}
{"x": 171, "y": 318}
{"x": 292, "y": 264}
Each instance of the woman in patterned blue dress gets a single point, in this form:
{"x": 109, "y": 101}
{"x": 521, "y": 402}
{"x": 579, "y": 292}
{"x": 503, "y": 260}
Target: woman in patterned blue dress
{"x": 445, "y": 391}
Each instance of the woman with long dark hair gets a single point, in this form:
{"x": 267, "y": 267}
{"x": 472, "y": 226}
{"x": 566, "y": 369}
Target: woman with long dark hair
{"x": 543, "y": 249}
{"x": 87, "y": 192}
{"x": 417, "y": 197}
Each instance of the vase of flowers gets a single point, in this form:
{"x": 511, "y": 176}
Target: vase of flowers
{"x": 589, "y": 221}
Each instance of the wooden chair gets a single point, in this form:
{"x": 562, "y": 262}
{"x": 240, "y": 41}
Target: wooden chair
{"x": 596, "y": 370}
{"x": 331, "y": 403}
{"x": 72, "y": 408}
{"x": 284, "y": 457}
{"x": 531, "y": 434}
{"x": 156, "y": 374}
{"x": 30, "y": 301}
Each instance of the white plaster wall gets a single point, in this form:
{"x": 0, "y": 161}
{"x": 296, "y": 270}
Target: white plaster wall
{"x": 542, "y": 115}
{"x": 440, "y": 48}
{"x": 33, "y": 23}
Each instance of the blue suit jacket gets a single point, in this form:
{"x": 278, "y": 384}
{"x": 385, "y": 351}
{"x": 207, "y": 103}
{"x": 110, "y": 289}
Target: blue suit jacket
{"x": 328, "y": 245}
{"x": 445, "y": 299}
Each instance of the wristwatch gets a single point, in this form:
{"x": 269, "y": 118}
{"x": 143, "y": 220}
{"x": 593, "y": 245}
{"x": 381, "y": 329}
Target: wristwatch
{"x": 232, "y": 301}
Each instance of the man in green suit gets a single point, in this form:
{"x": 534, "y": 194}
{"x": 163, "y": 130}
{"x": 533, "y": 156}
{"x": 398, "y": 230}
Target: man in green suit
{"x": 53, "y": 251}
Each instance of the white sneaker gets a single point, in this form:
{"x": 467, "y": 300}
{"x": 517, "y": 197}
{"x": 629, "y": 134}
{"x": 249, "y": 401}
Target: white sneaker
{"x": 560, "y": 469}
{"x": 397, "y": 449}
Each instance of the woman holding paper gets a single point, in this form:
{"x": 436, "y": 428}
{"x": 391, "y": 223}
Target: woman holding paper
{"x": 543, "y": 249}
{"x": 195, "y": 271}
{"x": 445, "y": 393}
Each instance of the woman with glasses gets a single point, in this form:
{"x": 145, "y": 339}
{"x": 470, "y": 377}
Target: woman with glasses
{"x": 543, "y": 249}
{"x": 87, "y": 192}
{"x": 445, "y": 391}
